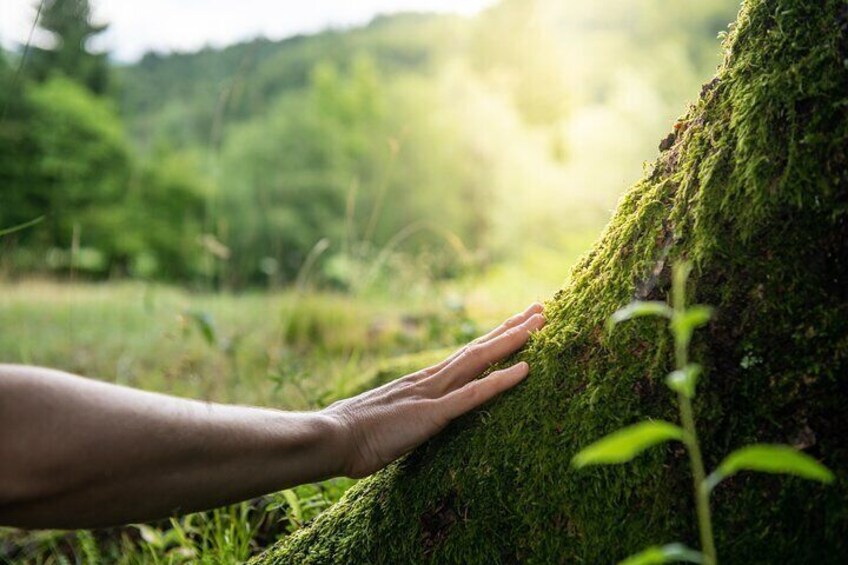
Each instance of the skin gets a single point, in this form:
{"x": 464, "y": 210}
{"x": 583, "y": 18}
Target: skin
{"x": 80, "y": 453}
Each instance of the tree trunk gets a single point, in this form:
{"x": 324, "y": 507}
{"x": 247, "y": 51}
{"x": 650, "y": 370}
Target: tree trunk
{"x": 752, "y": 186}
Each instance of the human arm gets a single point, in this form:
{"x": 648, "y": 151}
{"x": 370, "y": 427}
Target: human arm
{"x": 77, "y": 453}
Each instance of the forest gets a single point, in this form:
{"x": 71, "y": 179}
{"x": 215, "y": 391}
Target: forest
{"x": 290, "y": 222}
{"x": 267, "y": 148}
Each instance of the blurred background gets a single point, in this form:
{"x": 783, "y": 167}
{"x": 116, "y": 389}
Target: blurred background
{"x": 277, "y": 204}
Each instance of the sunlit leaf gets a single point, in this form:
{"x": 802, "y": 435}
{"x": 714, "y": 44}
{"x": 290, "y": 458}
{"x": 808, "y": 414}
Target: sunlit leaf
{"x": 684, "y": 380}
{"x": 639, "y": 309}
{"x": 627, "y": 443}
{"x": 768, "y": 458}
{"x": 683, "y": 324}
{"x": 664, "y": 554}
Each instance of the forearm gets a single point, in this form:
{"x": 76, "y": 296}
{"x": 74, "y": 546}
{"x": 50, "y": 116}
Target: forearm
{"x": 80, "y": 453}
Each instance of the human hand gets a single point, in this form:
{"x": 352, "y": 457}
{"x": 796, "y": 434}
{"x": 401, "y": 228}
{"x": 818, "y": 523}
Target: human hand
{"x": 380, "y": 425}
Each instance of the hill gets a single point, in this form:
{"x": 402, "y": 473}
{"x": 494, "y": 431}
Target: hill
{"x": 180, "y": 95}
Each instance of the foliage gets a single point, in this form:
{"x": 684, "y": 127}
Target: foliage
{"x": 185, "y": 98}
{"x": 622, "y": 446}
{"x": 416, "y": 146}
{"x": 68, "y": 25}
{"x": 338, "y": 162}
{"x": 159, "y": 231}
{"x": 627, "y": 443}
{"x": 83, "y": 160}
{"x": 17, "y": 148}
{"x": 65, "y": 152}
{"x": 67, "y": 159}
{"x": 472, "y": 143}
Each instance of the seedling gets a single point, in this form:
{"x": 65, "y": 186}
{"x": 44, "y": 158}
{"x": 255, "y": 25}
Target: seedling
{"x": 625, "y": 444}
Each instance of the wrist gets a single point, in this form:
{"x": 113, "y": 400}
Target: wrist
{"x": 342, "y": 434}
{"x": 334, "y": 437}
{"x": 306, "y": 447}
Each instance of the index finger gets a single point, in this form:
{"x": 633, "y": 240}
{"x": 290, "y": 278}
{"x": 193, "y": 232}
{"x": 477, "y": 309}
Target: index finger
{"x": 478, "y": 357}
{"x": 518, "y": 319}
{"x": 510, "y": 322}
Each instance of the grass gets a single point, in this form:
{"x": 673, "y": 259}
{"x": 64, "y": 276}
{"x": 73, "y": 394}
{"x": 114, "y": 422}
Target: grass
{"x": 289, "y": 350}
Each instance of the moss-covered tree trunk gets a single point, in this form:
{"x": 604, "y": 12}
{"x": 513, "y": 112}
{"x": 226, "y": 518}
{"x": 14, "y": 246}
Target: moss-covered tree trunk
{"x": 753, "y": 187}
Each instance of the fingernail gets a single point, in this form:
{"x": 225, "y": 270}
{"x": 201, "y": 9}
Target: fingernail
{"x": 537, "y": 320}
{"x": 521, "y": 370}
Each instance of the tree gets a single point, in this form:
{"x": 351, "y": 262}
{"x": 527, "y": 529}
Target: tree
{"x": 64, "y": 156}
{"x": 82, "y": 163}
{"x": 357, "y": 158}
{"x": 752, "y": 186}
{"x": 16, "y": 147}
{"x": 69, "y": 24}
{"x": 156, "y": 231}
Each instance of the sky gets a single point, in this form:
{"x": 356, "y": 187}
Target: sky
{"x": 138, "y": 26}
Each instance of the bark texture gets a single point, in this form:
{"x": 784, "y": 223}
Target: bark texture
{"x": 752, "y": 186}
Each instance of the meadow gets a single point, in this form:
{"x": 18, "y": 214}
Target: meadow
{"x": 289, "y": 349}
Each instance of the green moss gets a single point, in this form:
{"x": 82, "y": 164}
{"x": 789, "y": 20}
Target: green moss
{"x": 754, "y": 189}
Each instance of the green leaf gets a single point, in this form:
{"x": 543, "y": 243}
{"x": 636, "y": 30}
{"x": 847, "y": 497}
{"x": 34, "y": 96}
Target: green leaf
{"x": 683, "y": 324}
{"x": 625, "y": 444}
{"x": 665, "y": 554}
{"x": 638, "y": 309}
{"x": 695, "y": 316}
{"x": 294, "y": 502}
{"x": 684, "y": 380}
{"x": 768, "y": 458}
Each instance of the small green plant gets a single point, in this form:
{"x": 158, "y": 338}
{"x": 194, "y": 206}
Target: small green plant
{"x": 625, "y": 444}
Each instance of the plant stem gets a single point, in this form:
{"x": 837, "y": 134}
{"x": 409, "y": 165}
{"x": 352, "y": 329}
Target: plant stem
{"x": 702, "y": 502}
{"x": 687, "y": 418}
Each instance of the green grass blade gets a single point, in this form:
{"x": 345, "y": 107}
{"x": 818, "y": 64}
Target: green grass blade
{"x": 625, "y": 444}
{"x": 294, "y": 502}
{"x": 20, "y": 227}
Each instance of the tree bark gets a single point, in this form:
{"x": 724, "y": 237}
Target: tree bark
{"x": 752, "y": 186}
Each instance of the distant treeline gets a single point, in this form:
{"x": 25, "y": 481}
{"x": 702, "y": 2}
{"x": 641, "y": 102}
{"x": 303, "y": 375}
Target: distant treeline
{"x": 370, "y": 147}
